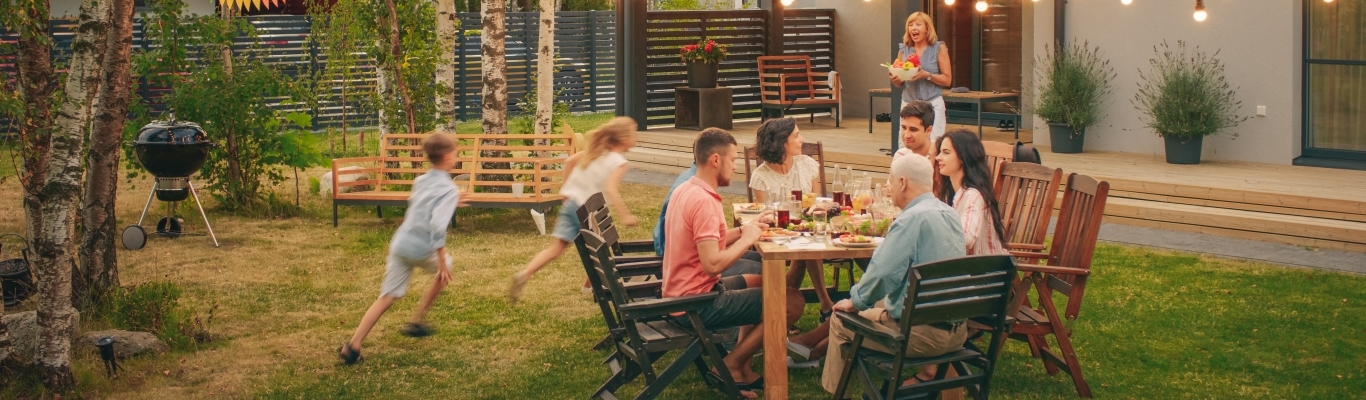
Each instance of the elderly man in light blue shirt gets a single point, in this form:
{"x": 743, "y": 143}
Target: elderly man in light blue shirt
{"x": 926, "y": 231}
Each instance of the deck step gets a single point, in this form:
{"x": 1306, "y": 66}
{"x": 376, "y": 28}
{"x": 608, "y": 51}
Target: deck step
{"x": 1295, "y": 230}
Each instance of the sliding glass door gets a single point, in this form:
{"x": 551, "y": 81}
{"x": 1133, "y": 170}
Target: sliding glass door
{"x": 1335, "y": 79}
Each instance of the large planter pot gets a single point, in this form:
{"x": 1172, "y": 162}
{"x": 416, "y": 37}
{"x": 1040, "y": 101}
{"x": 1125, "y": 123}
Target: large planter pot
{"x": 1063, "y": 140}
{"x": 702, "y": 74}
{"x": 1183, "y": 151}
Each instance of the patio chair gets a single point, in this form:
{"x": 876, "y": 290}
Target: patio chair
{"x": 973, "y": 287}
{"x": 645, "y": 335}
{"x": 817, "y": 151}
{"x": 998, "y": 153}
{"x": 1025, "y": 193}
{"x": 786, "y": 82}
{"x": 643, "y": 271}
{"x": 1066, "y": 272}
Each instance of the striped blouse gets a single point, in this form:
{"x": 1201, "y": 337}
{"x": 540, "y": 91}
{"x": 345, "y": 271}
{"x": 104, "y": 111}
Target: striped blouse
{"x": 978, "y": 232}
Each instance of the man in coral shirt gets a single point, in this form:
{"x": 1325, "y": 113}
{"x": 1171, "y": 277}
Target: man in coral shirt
{"x": 700, "y": 248}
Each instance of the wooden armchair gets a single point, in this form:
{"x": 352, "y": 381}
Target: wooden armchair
{"x": 1066, "y": 272}
{"x": 644, "y": 271}
{"x": 1025, "y": 193}
{"x": 948, "y": 291}
{"x": 998, "y": 153}
{"x": 787, "y": 82}
{"x": 643, "y": 333}
{"x": 814, "y": 150}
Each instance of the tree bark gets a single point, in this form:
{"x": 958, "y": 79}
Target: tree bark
{"x": 98, "y": 254}
{"x": 82, "y": 85}
{"x": 396, "y": 52}
{"x": 51, "y": 180}
{"x": 384, "y": 92}
{"x": 545, "y": 69}
{"x": 445, "y": 69}
{"x": 494, "y": 66}
{"x": 10, "y": 364}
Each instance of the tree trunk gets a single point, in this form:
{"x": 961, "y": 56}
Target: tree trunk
{"x": 545, "y": 69}
{"x": 396, "y": 54}
{"x": 10, "y": 364}
{"x": 82, "y": 85}
{"x": 495, "y": 95}
{"x": 98, "y": 255}
{"x": 445, "y": 69}
{"x": 384, "y": 93}
{"x": 236, "y": 188}
{"x": 51, "y": 180}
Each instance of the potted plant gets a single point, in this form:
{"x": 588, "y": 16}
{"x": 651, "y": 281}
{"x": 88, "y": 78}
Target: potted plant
{"x": 1073, "y": 85}
{"x": 1184, "y": 97}
{"x": 704, "y": 61}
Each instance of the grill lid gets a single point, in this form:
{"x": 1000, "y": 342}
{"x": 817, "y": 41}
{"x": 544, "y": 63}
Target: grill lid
{"x": 172, "y": 132}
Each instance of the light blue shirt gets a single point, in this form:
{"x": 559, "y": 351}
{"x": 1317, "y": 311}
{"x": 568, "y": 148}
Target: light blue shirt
{"x": 922, "y": 89}
{"x": 430, "y": 209}
{"x": 659, "y": 226}
{"x": 926, "y": 231}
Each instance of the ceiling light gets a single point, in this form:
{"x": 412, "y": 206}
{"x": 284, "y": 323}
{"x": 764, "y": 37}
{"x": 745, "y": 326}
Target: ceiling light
{"x": 787, "y": 2}
{"x": 981, "y": 5}
{"x": 1126, "y": 2}
{"x": 948, "y": 2}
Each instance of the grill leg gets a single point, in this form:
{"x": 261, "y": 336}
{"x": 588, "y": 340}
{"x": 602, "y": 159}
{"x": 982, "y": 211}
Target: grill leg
{"x": 334, "y": 214}
{"x": 201, "y": 212}
{"x": 379, "y": 211}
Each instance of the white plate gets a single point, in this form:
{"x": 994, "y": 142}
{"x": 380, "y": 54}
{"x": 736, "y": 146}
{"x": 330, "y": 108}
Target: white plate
{"x": 876, "y": 241}
{"x": 748, "y": 211}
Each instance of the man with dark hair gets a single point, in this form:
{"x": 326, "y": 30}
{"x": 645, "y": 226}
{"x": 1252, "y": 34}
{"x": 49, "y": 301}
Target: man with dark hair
{"x": 917, "y": 129}
{"x": 700, "y": 248}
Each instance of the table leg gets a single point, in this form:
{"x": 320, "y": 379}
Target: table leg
{"x": 871, "y": 114}
{"x": 979, "y": 120}
{"x": 775, "y": 329}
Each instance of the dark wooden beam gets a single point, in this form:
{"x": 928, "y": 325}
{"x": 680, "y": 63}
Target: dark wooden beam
{"x": 1059, "y": 23}
{"x": 773, "y": 32}
{"x": 631, "y": 60}
{"x": 900, "y": 10}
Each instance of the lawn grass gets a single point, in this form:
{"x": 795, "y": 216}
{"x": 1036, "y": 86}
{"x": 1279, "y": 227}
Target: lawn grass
{"x": 1156, "y": 324}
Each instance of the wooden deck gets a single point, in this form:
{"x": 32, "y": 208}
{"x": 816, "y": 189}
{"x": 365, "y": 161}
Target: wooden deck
{"x": 1303, "y": 206}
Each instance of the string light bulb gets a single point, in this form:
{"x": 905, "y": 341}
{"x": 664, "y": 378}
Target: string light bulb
{"x": 787, "y": 2}
{"x": 1200, "y": 13}
{"x": 981, "y": 5}
{"x": 948, "y": 2}
{"x": 1126, "y": 2}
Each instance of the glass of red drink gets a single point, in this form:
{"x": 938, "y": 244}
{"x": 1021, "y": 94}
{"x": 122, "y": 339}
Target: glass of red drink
{"x": 783, "y": 218}
{"x": 839, "y": 197}
{"x": 797, "y": 194}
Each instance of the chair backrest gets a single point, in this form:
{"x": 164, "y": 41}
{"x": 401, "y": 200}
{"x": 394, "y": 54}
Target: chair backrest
{"x": 958, "y": 289}
{"x": 1074, "y": 240}
{"x": 785, "y": 75}
{"x": 814, "y": 150}
{"x": 599, "y": 245}
{"x": 1025, "y": 193}
{"x": 998, "y": 153}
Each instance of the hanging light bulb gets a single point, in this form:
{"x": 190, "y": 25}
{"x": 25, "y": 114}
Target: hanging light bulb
{"x": 787, "y": 2}
{"x": 1126, "y": 2}
{"x": 1200, "y": 13}
{"x": 948, "y": 2}
{"x": 981, "y": 5}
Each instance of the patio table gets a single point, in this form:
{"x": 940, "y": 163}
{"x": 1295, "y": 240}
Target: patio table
{"x": 776, "y": 257}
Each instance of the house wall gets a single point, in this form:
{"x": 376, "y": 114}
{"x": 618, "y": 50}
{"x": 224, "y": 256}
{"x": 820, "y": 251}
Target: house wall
{"x": 72, "y": 8}
{"x": 861, "y": 31}
{"x": 1259, "y": 45}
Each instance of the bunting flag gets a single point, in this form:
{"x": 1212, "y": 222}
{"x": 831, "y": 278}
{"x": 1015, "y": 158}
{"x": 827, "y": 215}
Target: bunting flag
{"x": 249, "y": 4}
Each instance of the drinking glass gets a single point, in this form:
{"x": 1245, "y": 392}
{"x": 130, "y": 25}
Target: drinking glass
{"x": 819, "y": 223}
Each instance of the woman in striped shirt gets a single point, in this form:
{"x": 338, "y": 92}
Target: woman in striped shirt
{"x": 965, "y": 183}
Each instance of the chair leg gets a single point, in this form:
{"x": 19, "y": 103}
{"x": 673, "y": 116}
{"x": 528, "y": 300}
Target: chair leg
{"x": 671, "y": 372}
{"x": 704, "y": 336}
{"x": 628, "y": 373}
{"x": 379, "y": 211}
{"x": 334, "y": 215}
{"x": 849, "y": 360}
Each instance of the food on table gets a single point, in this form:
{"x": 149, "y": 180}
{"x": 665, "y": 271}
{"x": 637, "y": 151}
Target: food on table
{"x": 777, "y": 232}
{"x": 851, "y": 238}
{"x": 806, "y": 226}
{"x": 752, "y": 207}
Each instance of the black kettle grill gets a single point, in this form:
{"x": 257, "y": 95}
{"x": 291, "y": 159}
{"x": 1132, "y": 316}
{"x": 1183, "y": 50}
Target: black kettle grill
{"x": 171, "y": 151}
{"x": 15, "y": 278}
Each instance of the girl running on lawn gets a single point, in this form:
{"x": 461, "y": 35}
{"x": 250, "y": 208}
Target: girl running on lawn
{"x": 599, "y": 169}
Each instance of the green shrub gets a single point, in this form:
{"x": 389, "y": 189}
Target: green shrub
{"x": 1184, "y": 95}
{"x": 1074, "y": 83}
{"x": 155, "y": 307}
{"x": 314, "y": 185}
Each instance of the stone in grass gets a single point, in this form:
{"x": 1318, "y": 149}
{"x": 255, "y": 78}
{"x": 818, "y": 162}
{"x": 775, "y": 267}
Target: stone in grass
{"x": 23, "y": 332}
{"x": 126, "y": 343}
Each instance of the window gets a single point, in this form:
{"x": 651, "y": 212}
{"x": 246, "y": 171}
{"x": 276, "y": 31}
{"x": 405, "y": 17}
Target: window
{"x": 1335, "y": 79}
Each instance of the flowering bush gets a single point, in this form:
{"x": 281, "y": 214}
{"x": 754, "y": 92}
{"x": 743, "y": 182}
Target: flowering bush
{"x": 707, "y": 51}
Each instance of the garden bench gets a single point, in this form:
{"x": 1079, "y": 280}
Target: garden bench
{"x": 787, "y": 82}
{"x": 536, "y": 163}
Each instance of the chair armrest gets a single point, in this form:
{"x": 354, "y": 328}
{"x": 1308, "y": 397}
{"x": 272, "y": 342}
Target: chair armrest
{"x": 1029, "y": 255}
{"x": 867, "y": 328}
{"x": 1049, "y": 269}
{"x": 641, "y": 268}
{"x": 1025, "y": 246}
{"x": 641, "y": 290}
{"x": 637, "y": 246}
{"x": 662, "y": 307}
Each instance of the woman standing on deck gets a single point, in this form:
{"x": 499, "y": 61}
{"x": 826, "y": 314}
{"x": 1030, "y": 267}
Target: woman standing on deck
{"x": 935, "y": 71}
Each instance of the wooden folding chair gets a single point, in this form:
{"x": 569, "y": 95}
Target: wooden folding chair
{"x": 814, "y": 150}
{"x": 1068, "y": 267}
{"x": 1025, "y": 193}
{"x": 645, "y": 269}
{"x": 948, "y": 291}
{"x": 644, "y": 333}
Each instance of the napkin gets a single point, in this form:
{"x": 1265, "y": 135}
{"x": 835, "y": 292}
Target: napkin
{"x": 804, "y": 244}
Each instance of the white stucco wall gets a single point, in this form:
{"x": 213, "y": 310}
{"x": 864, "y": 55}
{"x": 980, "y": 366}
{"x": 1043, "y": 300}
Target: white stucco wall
{"x": 861, "y": 32}
{"x": 1260, "y": 45}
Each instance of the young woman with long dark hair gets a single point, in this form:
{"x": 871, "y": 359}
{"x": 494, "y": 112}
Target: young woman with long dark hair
{"x": 965, "y": 183}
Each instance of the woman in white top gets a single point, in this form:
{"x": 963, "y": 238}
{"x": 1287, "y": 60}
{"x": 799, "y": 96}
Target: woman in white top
{"x": 599, "y": 169}
{"x": 965, "y": 183}
{"x": 785, "y": 168}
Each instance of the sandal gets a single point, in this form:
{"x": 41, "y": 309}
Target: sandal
{"x": 825, "y": 315}
{"x": 349, "y": 355}
{"x": 416, "y": 330}
{"x": 793, "y": 330}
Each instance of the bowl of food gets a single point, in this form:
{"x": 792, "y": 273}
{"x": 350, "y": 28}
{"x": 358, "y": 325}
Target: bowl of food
{"x": 901, "y": 73}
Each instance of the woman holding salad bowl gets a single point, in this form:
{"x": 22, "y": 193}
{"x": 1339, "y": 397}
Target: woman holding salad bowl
{"x": 922, "y": 49}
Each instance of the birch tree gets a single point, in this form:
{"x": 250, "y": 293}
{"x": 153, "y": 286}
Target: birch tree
{"x": 493, "y": 63}
{"x": 445, "y": 69}
{"x": 10, "y": 364}
{"x": 545, "y": 69}
{"x": 396, "y": 64}
{"x": 97, "y": 253}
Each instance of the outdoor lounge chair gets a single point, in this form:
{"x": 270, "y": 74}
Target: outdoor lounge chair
{"x": 787, "y": 82}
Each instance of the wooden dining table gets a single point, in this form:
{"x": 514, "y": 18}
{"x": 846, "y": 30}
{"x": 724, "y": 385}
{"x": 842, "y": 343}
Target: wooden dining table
{"x": 776, "y": 259}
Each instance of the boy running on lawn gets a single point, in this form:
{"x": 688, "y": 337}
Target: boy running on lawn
{"x": 419, "y": 243}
